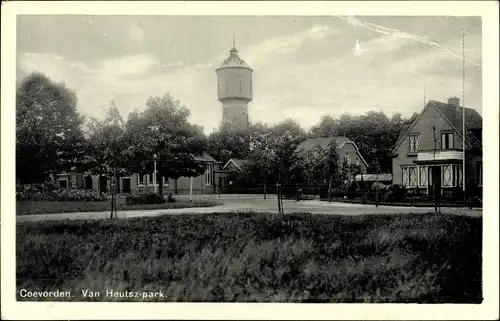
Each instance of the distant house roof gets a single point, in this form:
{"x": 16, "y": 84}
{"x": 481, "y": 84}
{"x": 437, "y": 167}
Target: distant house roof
{"x": 205, "y": 157}
{"x": 322, "y": 142}
{"x": 374, "y": 177}
{"x": 239, "y": 163}
{"x": 453, "y": 115}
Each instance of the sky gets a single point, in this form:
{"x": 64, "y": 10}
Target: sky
{"x": 305, "y": 67}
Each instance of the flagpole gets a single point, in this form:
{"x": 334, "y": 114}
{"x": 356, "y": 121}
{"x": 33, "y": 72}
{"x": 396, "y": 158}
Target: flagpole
{"x": 463, "y": 111}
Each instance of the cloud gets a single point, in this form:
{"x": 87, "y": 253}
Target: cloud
{"x": 288, "y": 81}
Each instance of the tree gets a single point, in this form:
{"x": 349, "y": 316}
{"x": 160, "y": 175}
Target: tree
{"x": 49, "y": 137}
{"x": 105, "y": 147}
{"x": 321, "y": 166}
{"x": 272, "y": 154}
{"x": 228, "y": 142}
{"x": 163, "y": 130}
{"x": 374, "y": 134}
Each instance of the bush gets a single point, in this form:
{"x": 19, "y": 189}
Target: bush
{"x": 33, "y": 192}
{"x": 170, "y": 194}
{"x": 144, "y": 198}
{"x": 395, "y": 193}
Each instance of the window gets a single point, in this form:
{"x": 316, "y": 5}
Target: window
{"x": 423, "y": 175}
{"x": 348, "y": 158}
{"x": 446, "y": 140}
{"x": 150, "y": 179}
{"x": 409, "y": 176}
{"x": 429, "y": 176}
{"x": 480, "y": 175}
{"x": 413, "y": 144}
{"x": 63, "y": 182}
{"x": 447, "y": 176}
{"x": 208, "y": 175}
{"x": 452, "y": 175}
{"x": 73, "y": 181}
{"x": 412, "y": 176}
{"x": 457, "y": 175}
{"x": 164, "y": 181}
{"x": 140, "y": 179}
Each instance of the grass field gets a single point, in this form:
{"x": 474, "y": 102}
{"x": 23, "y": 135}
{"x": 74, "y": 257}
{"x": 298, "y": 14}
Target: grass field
{"x": 44, "y": 207}
{"x": 425, "y": 258}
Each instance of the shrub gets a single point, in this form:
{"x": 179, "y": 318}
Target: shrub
{"x": 170, "y": 194}
{"x": 395, "y": 193}
{"x": 33, "y": 192}
{"x": 351, "y": 192}
{"x": 144, "y": 198}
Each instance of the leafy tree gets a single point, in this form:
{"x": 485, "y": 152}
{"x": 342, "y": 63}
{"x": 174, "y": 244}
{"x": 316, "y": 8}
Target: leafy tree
{"x": 321, "y": 166}
{"x": 105, "y": 147}
{"x": 374, "y": 133}
{"x": 163, "y": 130}
{"x": 49, "y": 137}
{"x": 272, "y": 154}
{"x": 228, "y": 142}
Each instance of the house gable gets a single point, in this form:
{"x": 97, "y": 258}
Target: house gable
{"x": 444, "y": 118}
{"x": 343, "y": 145}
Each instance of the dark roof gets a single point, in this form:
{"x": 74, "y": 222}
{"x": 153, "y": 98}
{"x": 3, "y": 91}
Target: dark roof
{"x": 205, "y": 157}
{"x": 322, "y": 142}
{"x": 374, "y": 177}
{"x": 238, "y": 162}
{"x": 454, "y": 115}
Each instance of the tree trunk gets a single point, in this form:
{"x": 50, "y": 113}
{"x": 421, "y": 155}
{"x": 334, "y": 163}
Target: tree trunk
{"x": 265, "y": 190}
{"x": 160, "y": 185}
{"x": 278, "y": 195}
{"x": 176, "y": 192}
{"x": 329, "y": 190}
{"x": 191, "y": 189}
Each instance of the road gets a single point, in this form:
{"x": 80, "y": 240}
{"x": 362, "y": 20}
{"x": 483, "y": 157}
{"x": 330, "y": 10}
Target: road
{"x": 236, "y": 203}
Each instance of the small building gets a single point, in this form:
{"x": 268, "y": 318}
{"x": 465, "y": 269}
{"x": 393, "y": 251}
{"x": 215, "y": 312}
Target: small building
{"x": 429, "y": 153}
{"x": 346, "y": 148}
{"x": 202, "y": 184}
{"x": 235, "y": 165}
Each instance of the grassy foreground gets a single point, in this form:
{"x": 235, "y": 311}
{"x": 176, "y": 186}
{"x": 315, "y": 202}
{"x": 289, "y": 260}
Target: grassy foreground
{"x": 424, "y": 258}
{"x": 45, "y": 207}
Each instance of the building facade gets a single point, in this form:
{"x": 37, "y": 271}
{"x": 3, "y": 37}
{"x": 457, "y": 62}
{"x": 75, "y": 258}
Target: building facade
{"x": 429, "y": 153}
{"x": 137, "y": 182}
{"x": 234, "y": 88}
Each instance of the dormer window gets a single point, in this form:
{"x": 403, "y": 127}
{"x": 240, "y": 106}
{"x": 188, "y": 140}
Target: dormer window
{"x": 446, "y": 140}
{"x": 413, "y": 143}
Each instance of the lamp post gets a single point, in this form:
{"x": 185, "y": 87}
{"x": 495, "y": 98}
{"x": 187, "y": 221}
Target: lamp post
{"x": 154, "y": 172}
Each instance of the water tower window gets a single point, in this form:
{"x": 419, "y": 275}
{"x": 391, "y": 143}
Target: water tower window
{"x": 240, "y": 78}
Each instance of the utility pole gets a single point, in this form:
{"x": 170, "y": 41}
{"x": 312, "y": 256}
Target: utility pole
{"x": 434, "y": 180}
{"x": 463, "y": 114}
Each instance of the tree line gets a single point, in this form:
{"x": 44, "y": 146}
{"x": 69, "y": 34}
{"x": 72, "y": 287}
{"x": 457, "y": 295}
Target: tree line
{"x": 51, "y": 137}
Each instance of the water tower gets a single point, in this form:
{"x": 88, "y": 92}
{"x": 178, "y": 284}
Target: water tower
{"x": 234, "y": 87}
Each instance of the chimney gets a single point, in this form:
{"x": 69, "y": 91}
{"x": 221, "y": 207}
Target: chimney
{"x": 454, "y": 101}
